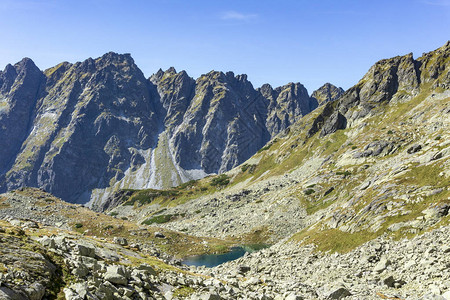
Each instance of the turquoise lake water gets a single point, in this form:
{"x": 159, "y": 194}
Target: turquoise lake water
{"x": 212, "y": 260}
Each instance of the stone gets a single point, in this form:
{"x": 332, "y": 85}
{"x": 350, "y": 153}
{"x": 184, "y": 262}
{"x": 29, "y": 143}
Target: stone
{"x": 85, "y": 250}
{"x": 35, "y": 291}
{"x": 47, "y": 242}
{"x": 30, "y": 224}
{"x": 389, "y": 281}
{"x": 80, "y": 288}
{"x": 413, "y": 149}
{"x": 382, "y": 265}
{"x": 147, "y": 268}
{"x": 71, "y": 294}
{"x": 120, "y": 241}
{"x": 339, "y": 292}
{"x": 243, "y": 269}
{"x": 80, "y": 271}
{"x": 116, "y": 275}
{"x": 210, "y": 296}
{"x": 446, "y": 295}
{"x": 293, "y": 296}
{"x": 159, "y": 235}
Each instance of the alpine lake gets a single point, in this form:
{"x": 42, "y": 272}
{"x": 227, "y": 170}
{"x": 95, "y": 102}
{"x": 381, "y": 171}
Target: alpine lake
{"x": 212, "y": 260}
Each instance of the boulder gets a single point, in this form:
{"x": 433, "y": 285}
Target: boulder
{"x": 210, "y": 296}
{"x": 389, "y": 281}
{"x": 382, "y": 265}
{"x": 446, "y": 295}
{"x": 85, "y": 250}
{"x": 147, "y": 268}
{"x": 293, "y": 296}
{"x": 116, "y": 275}
{"x": 47, "y": 242}
{"x": 120, "y": 241}
{"x": 414, "y": 148}
{"x": 333, "y": 292}
{"x": 159, "y": 235}
{"x": 243, "y": 269}
{"x": 35, "y": 291}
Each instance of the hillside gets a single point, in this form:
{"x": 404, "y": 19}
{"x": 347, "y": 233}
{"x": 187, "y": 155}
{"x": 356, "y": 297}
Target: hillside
{"x": 353, "y": 197}
{"x": 372, "y": 164}
{"x": 358, "y": 164}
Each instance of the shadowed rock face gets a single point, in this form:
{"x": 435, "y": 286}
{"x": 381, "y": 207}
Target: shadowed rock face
{"x": 83, "y": 130}
{"x": 19, "y": 89}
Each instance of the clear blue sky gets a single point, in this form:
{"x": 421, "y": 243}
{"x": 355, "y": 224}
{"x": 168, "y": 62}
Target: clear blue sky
{"x": 278, "y": 41}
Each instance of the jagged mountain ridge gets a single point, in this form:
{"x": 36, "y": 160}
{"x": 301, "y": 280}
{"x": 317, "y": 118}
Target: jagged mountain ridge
{"x": 376, "y": 158}
{"x": 83, "y": 130}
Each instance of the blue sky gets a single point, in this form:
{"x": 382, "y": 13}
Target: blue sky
{"x": 307, "y": 41}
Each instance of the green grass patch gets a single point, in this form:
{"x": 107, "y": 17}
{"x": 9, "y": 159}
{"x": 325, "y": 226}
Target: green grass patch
{"x": 334, "y": 240}
{"x": 221, "y": 180}
{"x": 161, "y": 219}
{"x": 250, "y": 167}
{"x": 344, "y": 173}
{"x": 422, "y": 175}
{"x": 148, "y": 196}
{"x": 267, "y": 147}
{"x": 184, "y": 291}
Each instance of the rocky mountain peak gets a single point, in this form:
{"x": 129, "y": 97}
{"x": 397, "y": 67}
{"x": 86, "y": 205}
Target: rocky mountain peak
{"x": 24, "y": 64}
{"x": 327, "y": 93}
{"x": 388, "y": 80}
{"x": 171, "y": 70}
{"x": 157, "y": 76}
{"x": 287, "y": 104}
{"x": 7, "y": 78}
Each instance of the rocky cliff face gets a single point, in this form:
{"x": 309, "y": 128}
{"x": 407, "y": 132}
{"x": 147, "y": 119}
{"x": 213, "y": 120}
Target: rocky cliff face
{"x": 86, "y": 129}
{"x": 327, "y": 93}
{"x": 89, "y": 124}
{"x": 19, "y": 89}
{"x": 391, "y": 80}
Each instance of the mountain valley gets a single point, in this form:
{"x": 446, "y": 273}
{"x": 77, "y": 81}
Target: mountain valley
{"x": 351, "y": 189}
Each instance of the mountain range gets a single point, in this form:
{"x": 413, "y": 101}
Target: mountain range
{"x": 84, "y": 130}
{"x": 348, "y": 191}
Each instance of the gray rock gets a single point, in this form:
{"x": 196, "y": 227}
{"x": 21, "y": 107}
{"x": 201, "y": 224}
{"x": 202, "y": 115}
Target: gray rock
{"x": 159, "y": 235}
{"x": 85, "y": 250}
{"x": 382, "y": 265}
{"x": 243, "y": 269}
{"x": 8, "y": 294}
{"x": 414, "y": 148}
{"x": 446, "y": 295}
{"x": 121, "y": 241}
{"x": 330, "y": 292}
{"x": 80, "y": 271}
{"x": 389, "y": 281}
{"x": 35, "y": 291}
{"x": 116, "y": 275}
{"x": 147, "y": 268}
{"x": 47, "y": 242}
{"x": 210, "y": 296}
{"x": 293, "y": 296}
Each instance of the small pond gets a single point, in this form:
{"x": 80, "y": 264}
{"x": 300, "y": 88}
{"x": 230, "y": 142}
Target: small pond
{"x": 212, "y": 260}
